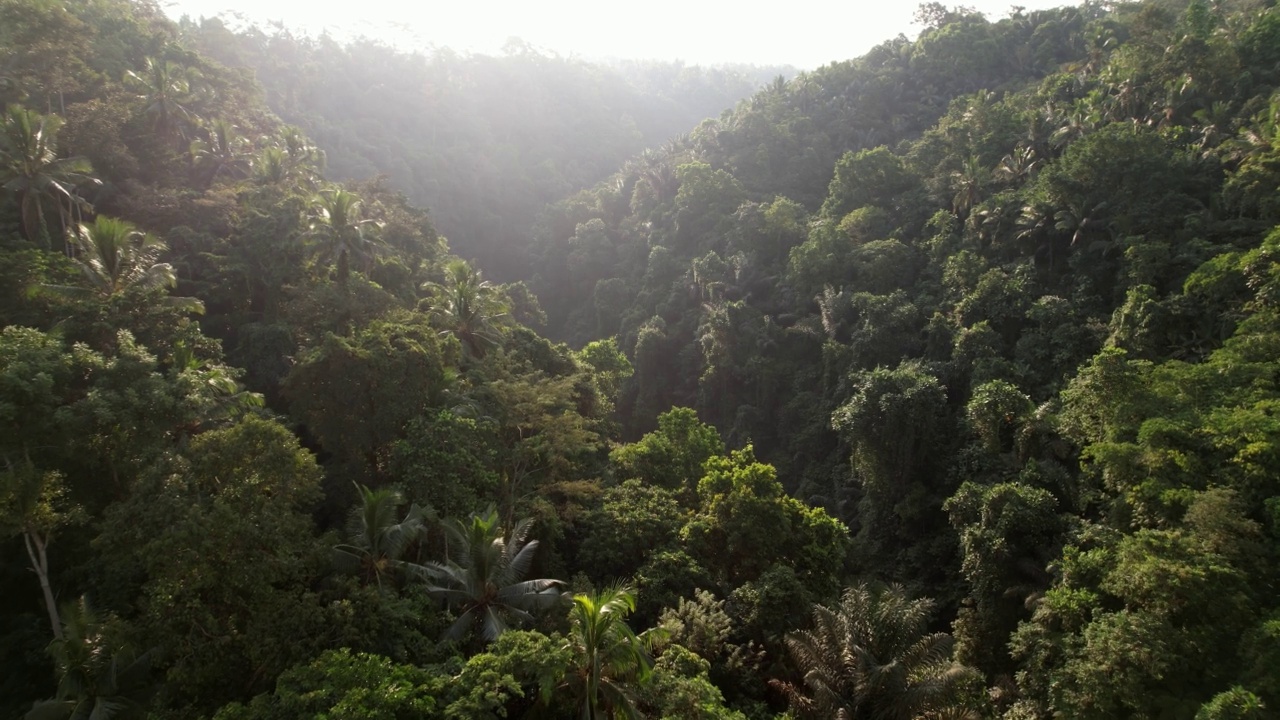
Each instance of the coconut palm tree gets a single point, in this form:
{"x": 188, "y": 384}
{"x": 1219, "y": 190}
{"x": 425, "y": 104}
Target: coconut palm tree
{"x": 222, "y": 152}
{"x": 468, "y": 307}
{"x": 167, "y": 90}
{"x": 870, "y": 657}
{"x": 968, "y": 183}
{"x": 483, "y": 576}
{"x": 377, "y": 542}
{"x": 224, "y": 398}
{"x": 1018, "y": 166}
{"x": 99, "y": 677}
{"x": 42, "y": 182}
{"x": 609, "y": 655}
{"x": 289, "y": 157}
{"x": 115, "y": 257}
{"x": 340, "y": 231}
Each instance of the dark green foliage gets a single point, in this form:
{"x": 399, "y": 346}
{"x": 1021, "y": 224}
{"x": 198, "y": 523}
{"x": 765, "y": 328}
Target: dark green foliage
{"x": 635, "y": 521}
{"x": 356, "y": 396}
{"x": 218, "y": 539}
{"x": 1002, "y": 301}
{"x": 447, "y": 461}
{"x": 483, "y": 577}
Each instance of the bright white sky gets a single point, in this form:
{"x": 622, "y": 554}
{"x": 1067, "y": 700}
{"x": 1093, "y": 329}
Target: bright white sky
{"x": 803, "y": 33}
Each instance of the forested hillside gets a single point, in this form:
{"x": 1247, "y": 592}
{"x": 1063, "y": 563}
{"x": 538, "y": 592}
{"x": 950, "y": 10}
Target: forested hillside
{"x": 484, "y": 142}
{"x": 938, "y": 383}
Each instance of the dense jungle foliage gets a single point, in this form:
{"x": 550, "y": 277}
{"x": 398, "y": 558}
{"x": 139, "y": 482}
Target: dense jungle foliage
{"x": 939, "y": 383}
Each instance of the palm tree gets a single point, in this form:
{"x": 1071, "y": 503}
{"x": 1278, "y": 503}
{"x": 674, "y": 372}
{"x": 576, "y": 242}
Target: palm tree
{"x": 968, "y": 182}
{"x": 377, "y": 542}
{"x": 290, "y": 157}
{"x": 99, "y": 678}
{"x": 167, "y": 89}
{"x": 469, "y": 307}
{"x": 482, "y": 576}
{"x": 869, "y": 657}
{"x": 271, "y": 167}
{"x": 1019, "y": 165}
{"x": 609, "y": 655}
{"x": 223, "y": 396}
{"x": 115, "y": 257}
{"x": 1077, "y": 220}
{"x": 31, "y": 169}
{"x": 337, "y": 226}
{"x": 223, "y": 151}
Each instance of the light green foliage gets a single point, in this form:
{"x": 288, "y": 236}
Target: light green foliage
{"x": 1234, "y": 704}
{"x": 996, "y": 412}
{"x": 680, "y": 688}
{"x": 343, "y": 684}
{"x": 672, "y": 456}
{"x": 870, "y": 655}
{"x": 610, "y": 368}
{"x": 868, "y": 177}
{"x": 1148, "y": 620}
{"x": 1150, "y": 436}
{"x": 100, "y": 418}
{"x": 608, "y": 657}
{"x": 703, "y": 626}
{"x": 518, "y": 669}
{"x": 634, "y": 522}
{"x": 746, "y": 524}
{"x": 706, "y": 200}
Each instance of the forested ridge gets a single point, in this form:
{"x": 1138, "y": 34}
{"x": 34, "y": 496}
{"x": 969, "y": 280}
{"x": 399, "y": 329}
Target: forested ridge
{"x": 937, "y": 383}
{"x": 483, "y": 142}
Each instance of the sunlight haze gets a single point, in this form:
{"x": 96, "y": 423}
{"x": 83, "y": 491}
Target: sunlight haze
{"x": 699, "y": 32}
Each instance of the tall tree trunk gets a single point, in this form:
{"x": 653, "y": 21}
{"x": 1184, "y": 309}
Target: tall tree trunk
{"x": 36, "y": 550}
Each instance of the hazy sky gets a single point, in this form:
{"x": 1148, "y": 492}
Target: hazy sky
{"x": 804, "y": 33}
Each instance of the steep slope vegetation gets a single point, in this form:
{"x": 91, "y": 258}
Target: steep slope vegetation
{"x": 483, "y": 142}
{"x": 951, "y": 290}
{"x": 988, "y": 317}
